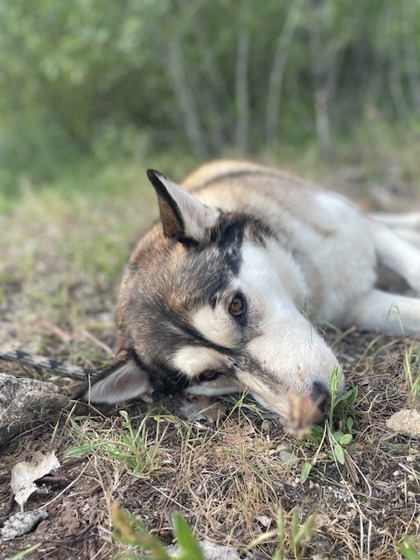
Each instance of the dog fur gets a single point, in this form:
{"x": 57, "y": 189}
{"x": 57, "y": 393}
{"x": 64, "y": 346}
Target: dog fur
{"x": 222, "y": 295}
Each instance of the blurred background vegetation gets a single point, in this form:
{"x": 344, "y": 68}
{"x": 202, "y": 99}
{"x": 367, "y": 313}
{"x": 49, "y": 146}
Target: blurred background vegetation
{"x": 87, "y": 83}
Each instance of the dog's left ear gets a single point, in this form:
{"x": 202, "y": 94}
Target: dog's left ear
{"x": 122, "y": 380}
{"x": 181, "y": 214}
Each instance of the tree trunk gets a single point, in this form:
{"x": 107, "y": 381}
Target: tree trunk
{"x": 278, "y": 68}
{"x": 185, "y": 100}
{"x": 241, "y": 92}
{"x": 409, "y": 12}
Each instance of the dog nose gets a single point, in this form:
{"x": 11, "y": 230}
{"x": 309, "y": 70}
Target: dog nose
{"x": 321, "y": 397}
{"x": 308, "y": 408}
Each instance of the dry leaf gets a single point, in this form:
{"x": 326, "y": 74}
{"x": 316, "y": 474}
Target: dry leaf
{"x": 25, "y": 473}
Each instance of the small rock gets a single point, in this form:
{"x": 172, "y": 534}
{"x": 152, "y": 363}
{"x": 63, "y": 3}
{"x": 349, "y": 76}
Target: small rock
{"x": 287, "y": 457}
{"x": 405, "y": 422}
{"x": 21, "y": 523}
{"x": 264, "y": 520}
{"x": 211, "y": 550}
{"x": 265, "y": 426}
{"x": 24, "y": 402}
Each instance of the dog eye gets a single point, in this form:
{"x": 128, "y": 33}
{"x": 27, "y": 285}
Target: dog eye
{"x": 237, "y": 306}
{"x": 209, "y": 375}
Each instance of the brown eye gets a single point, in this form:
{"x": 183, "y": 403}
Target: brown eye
{"x": 237, "y": 306}
{"x": 209, "y": 375}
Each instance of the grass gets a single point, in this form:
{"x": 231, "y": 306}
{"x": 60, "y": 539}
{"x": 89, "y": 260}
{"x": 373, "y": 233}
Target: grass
{"x": 24, "y": 553}
{"x": 241, "y": 480}
{"x": 131, "y": 531}
{"x": 408, "y": 548}
{"x": 412, "y": 375}
{"x": 139, "y": 450}
{"x": 337, "y": 440}
{"x": 291, "y": 536}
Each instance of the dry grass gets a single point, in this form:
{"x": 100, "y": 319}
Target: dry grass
{"x": 61, "y": 259}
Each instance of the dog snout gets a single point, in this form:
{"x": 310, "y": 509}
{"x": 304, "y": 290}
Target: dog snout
{"x": 306, "y": 409}
{"x": 321, "y": 397}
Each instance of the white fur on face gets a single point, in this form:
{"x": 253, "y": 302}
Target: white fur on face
{"x": 288, "y": 346}
{"x": 216, "y": 326}
{"x": 193, "y": 360}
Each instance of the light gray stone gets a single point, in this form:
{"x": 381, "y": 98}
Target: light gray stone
{"x": 405, "y": 421}
{"x": 21, "y": 523}
{"x": 25, "y": 402}
{"x": 211, "y": 551}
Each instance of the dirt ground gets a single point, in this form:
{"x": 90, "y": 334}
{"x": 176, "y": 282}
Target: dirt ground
{"x": 226, "y": 477}
{"x": 229, "y": 476}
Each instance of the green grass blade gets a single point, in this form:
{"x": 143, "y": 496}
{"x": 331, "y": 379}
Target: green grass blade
{"x": 407, "y": 548}
{"x": 307, "y": 467}
{"x": 189, "y": 549}
{"x": 188, "y": 544}
{"x": 23, "y": 553}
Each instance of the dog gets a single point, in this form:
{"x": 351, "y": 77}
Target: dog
{"x": 223, "y": 294}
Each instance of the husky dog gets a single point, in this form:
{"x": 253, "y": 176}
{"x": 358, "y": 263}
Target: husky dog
{"x": 222, "y": 294}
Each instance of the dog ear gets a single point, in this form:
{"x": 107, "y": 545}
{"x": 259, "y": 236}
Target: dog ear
{"x": 122, "y": 380}
{"x": 182, "y": 215}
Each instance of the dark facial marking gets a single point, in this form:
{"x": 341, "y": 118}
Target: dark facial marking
{"x": 321, "y": 396}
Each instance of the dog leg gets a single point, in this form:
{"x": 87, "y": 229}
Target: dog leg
{"x": 408, "y": 220}
{"x": 410, "y": 235}
{"x": 388, "y": 313}
{"x": 398, "y": 254}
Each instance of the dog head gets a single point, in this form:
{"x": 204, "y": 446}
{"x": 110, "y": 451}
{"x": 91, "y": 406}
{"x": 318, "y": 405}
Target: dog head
{"x": 212, "y": 303}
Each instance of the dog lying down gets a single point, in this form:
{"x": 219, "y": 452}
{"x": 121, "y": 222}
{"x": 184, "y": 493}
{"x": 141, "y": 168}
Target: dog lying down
{"x": 222, "y": 295}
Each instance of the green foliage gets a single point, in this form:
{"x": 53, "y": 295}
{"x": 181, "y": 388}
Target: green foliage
{"x": 341, "y": 403}
{"x": 298, "y": 535}
{"x": 24, "y": 553}
{"x": 412, "y": 375}
{"x": 338, "y": 439}
{"x": 135, "y": 447}
{"x": 189, "y": 549}
{"x": 131, "y": 530}
{"x": 135, "y": 78}
{"x": 408, "y": 548}
{"x": 292, "y": 538}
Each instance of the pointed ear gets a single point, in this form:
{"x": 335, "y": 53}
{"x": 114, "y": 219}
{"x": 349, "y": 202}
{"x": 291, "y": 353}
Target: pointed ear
{"x": 122, "y": 380}
{"x": 181, "y": 214}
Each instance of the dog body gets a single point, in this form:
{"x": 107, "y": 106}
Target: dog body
{"x": 222, "y": 294}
